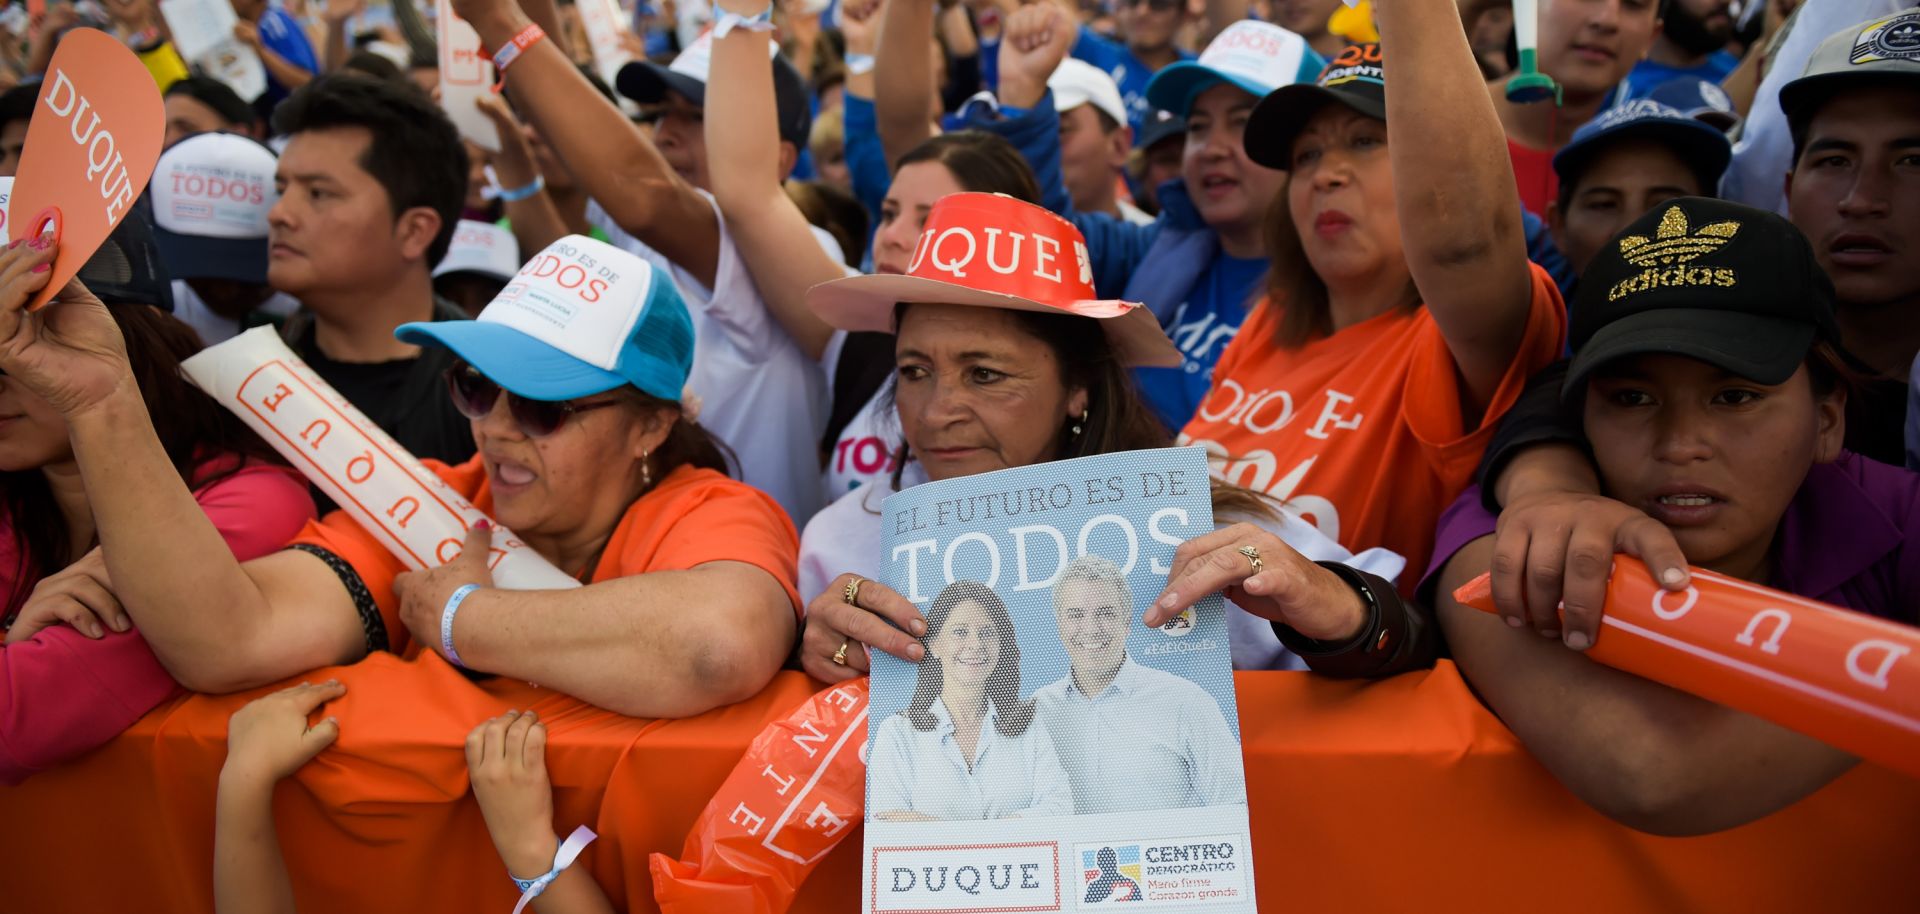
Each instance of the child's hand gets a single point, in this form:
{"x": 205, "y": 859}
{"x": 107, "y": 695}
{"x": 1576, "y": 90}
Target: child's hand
{"x": 269, "y": 738}
{"x": 507, "y": 758}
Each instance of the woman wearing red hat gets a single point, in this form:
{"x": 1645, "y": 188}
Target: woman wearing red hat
{"x": 1402, "y": 316}
{"x": 1004, "y": 358}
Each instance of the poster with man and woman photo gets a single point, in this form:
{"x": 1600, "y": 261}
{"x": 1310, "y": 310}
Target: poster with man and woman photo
{"x": 1051, "y": 752}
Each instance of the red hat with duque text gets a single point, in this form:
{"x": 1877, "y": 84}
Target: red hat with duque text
{"x": 993, "y": 251}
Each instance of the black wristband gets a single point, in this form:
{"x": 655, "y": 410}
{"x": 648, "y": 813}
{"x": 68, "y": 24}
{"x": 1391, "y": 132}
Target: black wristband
{"x": 1373, "y": 647}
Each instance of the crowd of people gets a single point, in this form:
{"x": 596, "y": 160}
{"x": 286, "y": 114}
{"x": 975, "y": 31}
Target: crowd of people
{"x": 1421, "y": 329}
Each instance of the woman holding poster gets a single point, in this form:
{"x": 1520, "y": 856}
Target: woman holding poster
{"x": 572, "y": 379}
{"x": 1005, "y": 358}
{"x": 967, "y": 746}
{"x": 1707, "y": 379}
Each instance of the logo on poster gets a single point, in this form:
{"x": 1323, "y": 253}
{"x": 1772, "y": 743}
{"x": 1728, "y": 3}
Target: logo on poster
{"x": 1111, "y": 875}
{"x": 1209, "y": 870}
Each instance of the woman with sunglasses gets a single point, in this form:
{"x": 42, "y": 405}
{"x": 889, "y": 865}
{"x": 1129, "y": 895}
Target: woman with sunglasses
{"x": 585, "y": 453}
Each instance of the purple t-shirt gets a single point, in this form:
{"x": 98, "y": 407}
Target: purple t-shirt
{"x": 1850, "y": 537}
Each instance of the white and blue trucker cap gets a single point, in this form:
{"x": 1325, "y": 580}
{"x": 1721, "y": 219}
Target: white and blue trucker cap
{"x": 1256, "y": 56}
{"x": 580, "y": 318}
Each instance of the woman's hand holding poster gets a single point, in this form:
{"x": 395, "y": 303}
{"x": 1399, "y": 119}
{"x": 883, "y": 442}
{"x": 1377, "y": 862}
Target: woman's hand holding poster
{"x": 1842, "y": 677}
{"x": 1029, "y": 762}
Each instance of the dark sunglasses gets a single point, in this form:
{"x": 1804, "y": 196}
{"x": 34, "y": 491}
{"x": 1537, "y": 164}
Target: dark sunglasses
{"x": 474, "y": 395}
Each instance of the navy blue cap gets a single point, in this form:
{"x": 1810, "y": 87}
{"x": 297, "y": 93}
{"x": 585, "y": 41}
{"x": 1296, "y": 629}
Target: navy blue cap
{"x": 1699, "y": 99}
{"x": 1703, "y": 148}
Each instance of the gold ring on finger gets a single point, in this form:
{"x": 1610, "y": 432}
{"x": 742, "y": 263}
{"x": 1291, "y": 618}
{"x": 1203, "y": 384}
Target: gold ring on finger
{"x": 840, "y": 656}
{"x": 852, "y": 595}
{"x": 1253, "y": 558}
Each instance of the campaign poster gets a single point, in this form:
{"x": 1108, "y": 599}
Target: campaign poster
{"x": 1051, "y": 752}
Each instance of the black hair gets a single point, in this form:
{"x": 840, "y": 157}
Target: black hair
{"x": 372, "y": 65}
{"x": 16, "y": 104}
{"x": 980, "y": 161}
{"x": 216, "y": 95}
{"x": 1003, "y": 684}
{"x": 1801, "y": 118}
{"x": 414, "y": 150}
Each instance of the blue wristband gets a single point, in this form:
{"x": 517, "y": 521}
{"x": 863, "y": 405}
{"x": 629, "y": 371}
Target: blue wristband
{"x": 516, "y": 194}
{"x": 446, "y": 623}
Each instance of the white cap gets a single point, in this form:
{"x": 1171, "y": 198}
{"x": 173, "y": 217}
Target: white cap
{"x": 1259, "y": 57}
{"x": 211, "y": 196}
{"x": 214, "y": 185}
{"x": 1077, "y": 83}
{"x": 483, "y": 248}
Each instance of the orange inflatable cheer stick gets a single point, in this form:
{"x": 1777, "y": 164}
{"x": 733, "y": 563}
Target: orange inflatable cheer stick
{"x": 800, "y": 790}
{"x": 1845, "y": 678}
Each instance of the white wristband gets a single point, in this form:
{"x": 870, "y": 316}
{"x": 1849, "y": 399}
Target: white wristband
{"x": 728, "y": 21}
{"x": 569, "y": 851}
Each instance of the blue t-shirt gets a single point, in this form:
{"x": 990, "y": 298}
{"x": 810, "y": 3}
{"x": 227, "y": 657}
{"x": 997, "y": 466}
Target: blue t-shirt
{"x": 1647, "y": 75}
{"x": 1201, "y": 327}
{"x": 281, "y": 34}
{"x": 1127, "y": 70}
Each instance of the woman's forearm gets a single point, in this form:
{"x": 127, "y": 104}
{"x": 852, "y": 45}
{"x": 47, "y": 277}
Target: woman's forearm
{"x": 1459, "y": 217}
{"x": 1650, "y": 756}
{"x": 171, "y": 568}
{"x": 743, "y": 157}
{"x": 631, "y": 645}
{"x": 615, "y": 164}
{"x": 903, "y": 77}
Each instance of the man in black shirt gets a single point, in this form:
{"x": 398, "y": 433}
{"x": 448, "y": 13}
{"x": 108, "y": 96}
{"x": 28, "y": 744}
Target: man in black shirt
{"x": 371, "y": 185}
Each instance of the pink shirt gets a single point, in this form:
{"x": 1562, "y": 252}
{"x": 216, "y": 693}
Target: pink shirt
{"x": 62, "y": 693}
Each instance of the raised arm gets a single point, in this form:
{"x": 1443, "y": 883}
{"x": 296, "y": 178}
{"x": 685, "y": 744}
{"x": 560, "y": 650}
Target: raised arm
{"x": 215, "y": 625}
{"x": 1459, "y": 216}
{"x": 743, "y": 156}
{"x": 903, "y": 77}
{"x": 619, "y": 167}
{"x": 1648, "y": 756}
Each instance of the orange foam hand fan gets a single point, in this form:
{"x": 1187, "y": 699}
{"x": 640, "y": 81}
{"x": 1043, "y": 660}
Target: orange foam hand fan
{"x": 798, "y": 792}
{"x": 1845, "y": 678}
{"x": 96, "y": 134}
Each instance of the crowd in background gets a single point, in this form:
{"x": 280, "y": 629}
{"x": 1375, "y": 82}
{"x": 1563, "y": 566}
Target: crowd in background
{"x": 1422, "y": 327}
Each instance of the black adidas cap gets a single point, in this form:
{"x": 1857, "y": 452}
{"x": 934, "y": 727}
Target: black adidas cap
{"x": 1731, "y": 285}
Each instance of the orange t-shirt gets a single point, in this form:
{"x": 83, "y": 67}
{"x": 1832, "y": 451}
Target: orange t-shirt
{"x": 693, "y": 516}
{"x": 1361, "y": 432}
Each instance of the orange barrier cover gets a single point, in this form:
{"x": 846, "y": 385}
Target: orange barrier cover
{"x": 1400, "y": 795}
{"x": 1845, "y": 678}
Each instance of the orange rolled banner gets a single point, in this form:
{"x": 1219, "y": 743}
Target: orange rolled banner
{"x": 799, "y": 791}
{"x": 1845, "y": 678}
{"x": 95, "y": 137}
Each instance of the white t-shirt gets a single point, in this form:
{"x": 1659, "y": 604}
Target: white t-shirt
{"x": 866, "y": 447}
{"x": 193, "y": 311}
{"x": 759, "y": 393}
{"x": 846, "y": 536}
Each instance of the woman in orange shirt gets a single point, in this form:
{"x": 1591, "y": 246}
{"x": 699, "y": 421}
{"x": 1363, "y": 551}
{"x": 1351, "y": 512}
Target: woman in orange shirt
{"x": 585, "y": 453}
{"x": 1403, "y": 317}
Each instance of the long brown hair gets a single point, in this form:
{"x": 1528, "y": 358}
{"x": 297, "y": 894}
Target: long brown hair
{"x": 188, "y": 422}
{"x": 1003, "y": 684}
{"x": 1294, "y": 285}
